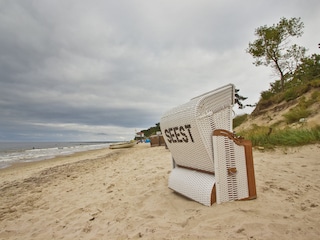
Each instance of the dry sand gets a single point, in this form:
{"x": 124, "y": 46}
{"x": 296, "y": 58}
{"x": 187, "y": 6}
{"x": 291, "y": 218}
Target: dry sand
{"x": 123, "y": 194}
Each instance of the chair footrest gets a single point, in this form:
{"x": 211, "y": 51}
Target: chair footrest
{"x": 195, "y": 185}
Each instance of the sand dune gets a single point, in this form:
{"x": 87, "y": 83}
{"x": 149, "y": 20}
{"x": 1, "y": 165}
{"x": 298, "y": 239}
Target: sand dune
{"x": 123, "y": 194}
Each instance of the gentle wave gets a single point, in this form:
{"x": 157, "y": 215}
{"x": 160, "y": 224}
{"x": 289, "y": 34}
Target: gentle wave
{"x": 9, "y": 157}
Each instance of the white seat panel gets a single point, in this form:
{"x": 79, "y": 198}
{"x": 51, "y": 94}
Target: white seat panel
{"x": 192, "y": 184}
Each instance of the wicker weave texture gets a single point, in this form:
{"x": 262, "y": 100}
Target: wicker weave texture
{"x": 202, "y": 114}
{"x": 192, "y": 184}
{"x": 228, "y": 155}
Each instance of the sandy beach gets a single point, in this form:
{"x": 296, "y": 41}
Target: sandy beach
{"x": 123, "y": 194}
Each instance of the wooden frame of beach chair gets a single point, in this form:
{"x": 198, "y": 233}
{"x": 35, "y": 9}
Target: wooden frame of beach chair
{"x": 234, "y": 169}
{"x": 199, "y": 156}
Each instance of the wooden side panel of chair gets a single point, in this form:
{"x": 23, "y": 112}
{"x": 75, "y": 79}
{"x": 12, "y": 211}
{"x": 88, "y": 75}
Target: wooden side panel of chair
{"x": 248, "y": 156}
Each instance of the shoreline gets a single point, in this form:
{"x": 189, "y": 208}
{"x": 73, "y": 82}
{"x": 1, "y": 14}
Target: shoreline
{"x": 123, "y": 194}
{"x": 13, "y": 153}
{"x": 38, "y": 165}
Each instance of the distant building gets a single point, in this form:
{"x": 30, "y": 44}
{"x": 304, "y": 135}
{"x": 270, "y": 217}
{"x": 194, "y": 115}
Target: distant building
{"x": 139, "y": 135}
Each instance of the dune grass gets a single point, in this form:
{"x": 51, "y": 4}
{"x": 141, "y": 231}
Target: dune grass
{"x": 270, "y": 137}
{"x": 237, "y": 121}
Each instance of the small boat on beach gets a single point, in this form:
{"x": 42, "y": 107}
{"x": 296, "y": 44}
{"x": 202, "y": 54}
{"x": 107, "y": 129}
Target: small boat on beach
{"x": 122, "y": 145}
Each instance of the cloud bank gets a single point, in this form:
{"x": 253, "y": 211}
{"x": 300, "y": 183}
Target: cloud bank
{"x": 101, "y": 70}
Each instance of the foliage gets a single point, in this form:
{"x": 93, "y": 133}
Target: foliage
{"x": 308, "y": 69}
{"x": 238, "y": 99}
{"x": 152, "y": 130}
{"x": 238, "y": 120}
{"x": 271, "y": 48}
{"x": 299, "y": 112}
{"x": 298, "y": 75}
{"x": 263, "y": 136}
{"x": 295, "y": 92}
{"x": 294, "y": 89}
{"x": 266, "y": 95}
{"x": 294, "y": 115}
{"x": 315, "y": 97}
{"x": 315, "y": 83}
{"x": 306, "y": 75}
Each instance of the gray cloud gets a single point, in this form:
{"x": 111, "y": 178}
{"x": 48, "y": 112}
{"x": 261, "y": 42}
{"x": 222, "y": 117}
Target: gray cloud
{"x": 99, "y": 70}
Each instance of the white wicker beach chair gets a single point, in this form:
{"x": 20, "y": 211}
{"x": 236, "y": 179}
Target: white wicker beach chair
{"x": 209, "y": 163}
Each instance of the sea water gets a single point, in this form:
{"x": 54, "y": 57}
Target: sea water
{"x": 14, "y": 152}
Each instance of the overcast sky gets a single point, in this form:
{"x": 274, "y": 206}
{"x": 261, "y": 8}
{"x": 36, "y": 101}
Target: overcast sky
{"x": 98, "y": 70}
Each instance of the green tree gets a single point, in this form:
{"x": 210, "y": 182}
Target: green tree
{"x": 272, "y": 47}
{"x": 309, "y": 68}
